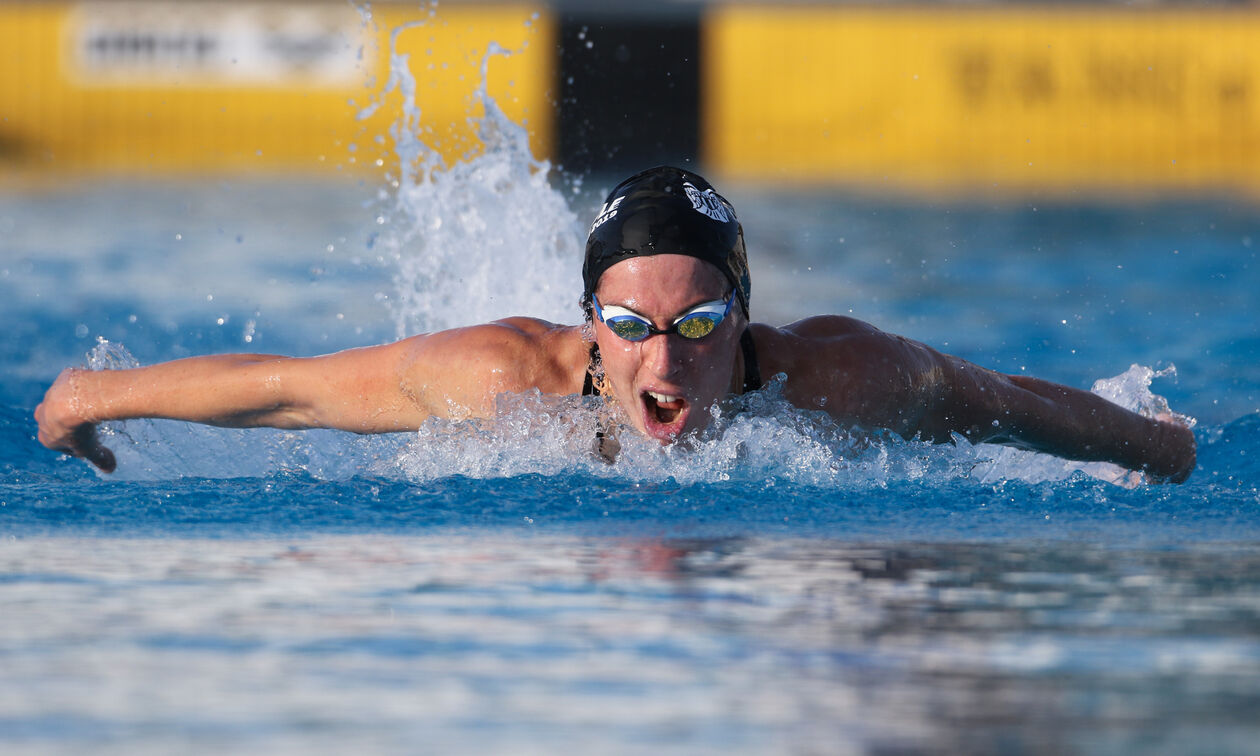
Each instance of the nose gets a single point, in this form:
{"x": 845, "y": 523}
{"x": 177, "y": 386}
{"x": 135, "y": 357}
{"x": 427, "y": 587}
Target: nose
{"x": 663, "y": 354}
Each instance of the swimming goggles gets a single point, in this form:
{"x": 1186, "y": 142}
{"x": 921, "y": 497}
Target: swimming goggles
{"x": 696, "y": 323}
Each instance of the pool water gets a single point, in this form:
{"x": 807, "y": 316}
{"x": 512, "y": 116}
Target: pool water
{"x": 781, "y": 586}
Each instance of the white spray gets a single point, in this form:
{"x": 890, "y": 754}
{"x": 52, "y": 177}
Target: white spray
{"x": 485, "y": 238}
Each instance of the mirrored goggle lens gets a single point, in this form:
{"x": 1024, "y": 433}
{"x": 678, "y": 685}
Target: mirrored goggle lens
{"x": 630, "y": 329}
{"x": 697, "y": 326}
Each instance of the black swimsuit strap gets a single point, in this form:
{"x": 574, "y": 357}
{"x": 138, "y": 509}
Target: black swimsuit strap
{"x": 752, "y": 371}
{"x": 606, "y": 446}
{"x": 588, "y": 384}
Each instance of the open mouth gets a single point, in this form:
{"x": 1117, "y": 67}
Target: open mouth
{"x": 665, "y": 414}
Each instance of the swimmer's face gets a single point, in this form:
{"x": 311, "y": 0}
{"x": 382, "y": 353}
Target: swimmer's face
{"x": 666, "y": 383}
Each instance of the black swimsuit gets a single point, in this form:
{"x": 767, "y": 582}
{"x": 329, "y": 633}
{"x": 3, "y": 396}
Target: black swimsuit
{"x": 752, "y": 371}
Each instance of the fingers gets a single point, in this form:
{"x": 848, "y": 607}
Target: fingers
{"x": 1177, "y": 451}
{"x": 87, "y": 444}
{"x": 1189, "y": 453}
{"x": 102, "y": 457}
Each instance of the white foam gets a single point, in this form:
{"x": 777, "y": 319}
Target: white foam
{"x": 757, "y": 438}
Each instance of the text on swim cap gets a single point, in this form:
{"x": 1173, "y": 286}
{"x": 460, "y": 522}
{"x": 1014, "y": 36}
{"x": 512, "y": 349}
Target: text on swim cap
{"x": 606, "y": 213}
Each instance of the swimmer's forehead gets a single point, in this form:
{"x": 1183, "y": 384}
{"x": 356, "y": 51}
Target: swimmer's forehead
{"x": 661, "y": 284}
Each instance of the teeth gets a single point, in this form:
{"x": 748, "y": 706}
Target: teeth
{"x": 662, "y": 398}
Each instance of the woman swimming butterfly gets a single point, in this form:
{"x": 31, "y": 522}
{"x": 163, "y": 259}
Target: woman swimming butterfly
{"x": 668, "y": 334}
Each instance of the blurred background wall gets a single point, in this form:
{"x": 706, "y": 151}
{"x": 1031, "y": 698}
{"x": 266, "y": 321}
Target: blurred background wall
{"x": 990, "y": 100}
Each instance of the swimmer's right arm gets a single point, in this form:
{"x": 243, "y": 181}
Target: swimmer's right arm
{"x": 190, "y": 389}
{"x": 380, "y": 389}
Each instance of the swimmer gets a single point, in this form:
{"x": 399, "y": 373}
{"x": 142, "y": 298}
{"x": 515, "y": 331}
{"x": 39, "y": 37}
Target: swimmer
{"x": 668, "y": 334}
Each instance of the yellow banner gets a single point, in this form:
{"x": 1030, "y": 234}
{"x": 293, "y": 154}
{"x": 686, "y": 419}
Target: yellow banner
{"x": 139, "y": 87}
{"x": 990, "y": 100}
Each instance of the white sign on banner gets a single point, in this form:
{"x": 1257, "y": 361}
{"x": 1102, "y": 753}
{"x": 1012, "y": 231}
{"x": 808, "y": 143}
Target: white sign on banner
{"x": 216, "y": 44}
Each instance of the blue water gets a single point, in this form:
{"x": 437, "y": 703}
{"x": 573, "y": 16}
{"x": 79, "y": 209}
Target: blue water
{"x": 783, "y": 588}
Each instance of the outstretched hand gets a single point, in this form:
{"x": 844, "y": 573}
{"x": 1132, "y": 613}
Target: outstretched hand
{"x": 63, "y": 427}
{"x": 1177, "y": 450}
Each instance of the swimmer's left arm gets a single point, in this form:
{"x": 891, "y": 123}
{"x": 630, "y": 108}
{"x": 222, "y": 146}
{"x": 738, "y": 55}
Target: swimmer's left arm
{"x": 864, "y": 376}
{"x": 1048, "y": 417}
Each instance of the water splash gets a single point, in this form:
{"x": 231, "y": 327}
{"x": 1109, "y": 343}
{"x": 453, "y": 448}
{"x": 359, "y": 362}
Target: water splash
{"x": 758, "y": 438}
{"x": 482, "y": 239}
{"x": 1132, "y": 390}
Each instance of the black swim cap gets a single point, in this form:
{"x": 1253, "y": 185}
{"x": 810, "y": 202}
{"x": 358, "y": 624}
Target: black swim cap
{"x": 667, "y": 211}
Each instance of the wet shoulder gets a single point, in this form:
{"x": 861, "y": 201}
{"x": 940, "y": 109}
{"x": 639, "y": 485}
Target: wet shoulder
{"x": 829, "y": 327}
{"x": 538, "y": 354}
{"x": 512, "y": 355}
{"x": 855, "y": 372}
{"x": 791, "y": 348}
